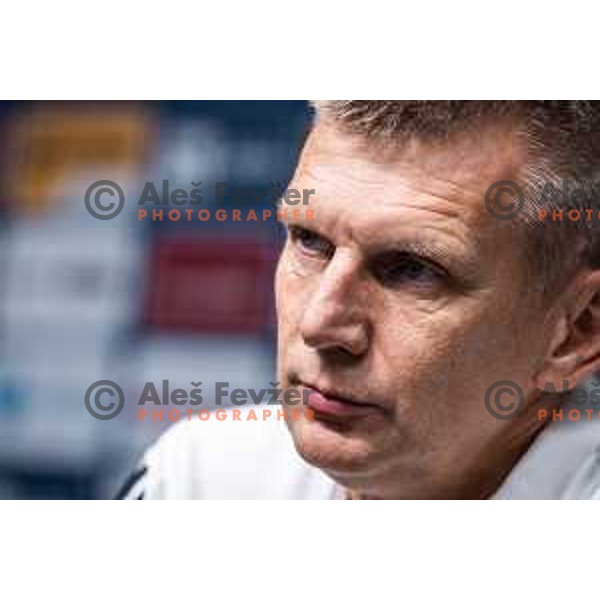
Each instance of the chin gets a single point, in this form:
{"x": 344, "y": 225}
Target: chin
{"x": 337, "y": 450}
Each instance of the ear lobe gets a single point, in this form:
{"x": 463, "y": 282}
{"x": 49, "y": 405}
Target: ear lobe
{"x": 576, "y": 353}
{"x": 593, "y": 312}
{"x": 557, "y": 370}
{"x": 586, "y": 335}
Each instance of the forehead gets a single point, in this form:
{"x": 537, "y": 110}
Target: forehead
{"x": 365, "y": 190}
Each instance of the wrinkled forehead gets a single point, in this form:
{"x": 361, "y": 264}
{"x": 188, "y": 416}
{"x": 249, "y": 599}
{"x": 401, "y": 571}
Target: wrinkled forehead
{"x": 441, "y": 179}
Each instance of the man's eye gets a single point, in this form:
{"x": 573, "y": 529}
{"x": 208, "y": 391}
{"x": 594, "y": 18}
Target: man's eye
{"x": 311, "y": 242}
{"x": 407, "y": 268}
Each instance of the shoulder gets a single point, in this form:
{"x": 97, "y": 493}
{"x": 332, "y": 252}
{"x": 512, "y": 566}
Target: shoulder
{"x": 234, "y": 454}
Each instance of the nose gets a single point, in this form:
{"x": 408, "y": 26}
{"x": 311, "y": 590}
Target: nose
{"x": 335, "y": 316}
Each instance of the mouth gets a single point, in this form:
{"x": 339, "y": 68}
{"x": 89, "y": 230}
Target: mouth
{"x": 328, "y": 403}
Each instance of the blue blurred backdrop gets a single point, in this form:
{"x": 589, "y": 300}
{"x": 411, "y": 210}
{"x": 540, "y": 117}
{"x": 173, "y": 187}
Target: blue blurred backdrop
{"x": 127, "y": 300}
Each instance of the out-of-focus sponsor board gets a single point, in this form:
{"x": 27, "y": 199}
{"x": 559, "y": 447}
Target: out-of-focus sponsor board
{"x": 53, "y": 143}
{"x": 210, "y": 286}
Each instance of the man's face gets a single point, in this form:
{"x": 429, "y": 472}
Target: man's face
{"x": 400, "y": 304}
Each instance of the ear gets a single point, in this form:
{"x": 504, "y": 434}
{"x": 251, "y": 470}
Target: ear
{"x": 575, "y": 350}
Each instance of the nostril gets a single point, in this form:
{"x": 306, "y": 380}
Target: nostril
{"x": 346, "y": 341}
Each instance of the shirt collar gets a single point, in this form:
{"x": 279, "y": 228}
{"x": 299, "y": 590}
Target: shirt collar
{"x": 562, "y": 462}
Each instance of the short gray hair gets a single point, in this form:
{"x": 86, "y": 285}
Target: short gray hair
{"x": 562, "y": 139}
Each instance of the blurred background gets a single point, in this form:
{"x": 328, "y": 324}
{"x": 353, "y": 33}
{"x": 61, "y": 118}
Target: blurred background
{"x": 83, "y": 299}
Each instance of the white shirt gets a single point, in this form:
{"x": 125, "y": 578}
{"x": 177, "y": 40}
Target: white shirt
{"x": 257, "y": 460}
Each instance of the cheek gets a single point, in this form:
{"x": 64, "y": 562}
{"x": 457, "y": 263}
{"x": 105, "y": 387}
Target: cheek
{"x": 289, "y": 304}
{"x": 279, "y": 286}
{"x": 443, "y": 369}
{"x": 282, "y": 291}
{"x": 291, "y": 291}
{"x": 438, "y": 364}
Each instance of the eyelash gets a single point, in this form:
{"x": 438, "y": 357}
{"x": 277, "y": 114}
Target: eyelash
{"x": 301, "y": 236}
{"x": 390, "y": 270}
{"x": 406, "y": 267}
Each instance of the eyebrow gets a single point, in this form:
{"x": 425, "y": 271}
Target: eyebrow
{"x": 301, "y": 221}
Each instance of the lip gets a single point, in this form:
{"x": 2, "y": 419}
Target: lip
{"x": 330, "y": 404}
